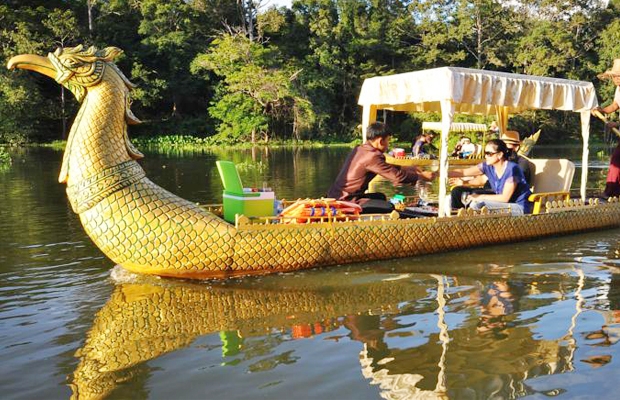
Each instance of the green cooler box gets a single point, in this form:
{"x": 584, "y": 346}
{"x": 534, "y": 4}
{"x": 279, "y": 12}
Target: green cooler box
{"x": 236, "y": 200}
{"x": 253, "y": 204}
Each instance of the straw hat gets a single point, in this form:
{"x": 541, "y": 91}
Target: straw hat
{"x": 614, "y": 71}
{"x": 511, "y": 137}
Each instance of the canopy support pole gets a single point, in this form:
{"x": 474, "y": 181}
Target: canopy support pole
{"x": 447, "y": 114}
{"x": 501, "y": 116}
{"x": 369, "y": 115}
{"x": 585, "y": 134}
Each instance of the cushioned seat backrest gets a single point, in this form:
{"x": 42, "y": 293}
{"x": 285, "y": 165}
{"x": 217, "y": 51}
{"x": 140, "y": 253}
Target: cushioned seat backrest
{"x": 230, "y": 176}
{"x": 552, "y": 174}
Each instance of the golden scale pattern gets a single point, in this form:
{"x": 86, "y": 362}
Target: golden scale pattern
{"x": 305, "y": 245}
{"x": 147, "y": 229}
{"x": 140, "y": 322}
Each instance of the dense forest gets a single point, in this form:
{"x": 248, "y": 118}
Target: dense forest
{"x": 240, "y": 70}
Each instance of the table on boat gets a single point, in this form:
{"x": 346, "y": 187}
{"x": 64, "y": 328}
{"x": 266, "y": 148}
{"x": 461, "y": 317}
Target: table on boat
{"x": 419, "y": 211}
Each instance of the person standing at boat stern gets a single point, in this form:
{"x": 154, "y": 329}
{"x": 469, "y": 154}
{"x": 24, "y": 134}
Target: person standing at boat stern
{"x": 364, "y": 163}
{"x": 505, "y": 178}
{"x": 612, "y": 186}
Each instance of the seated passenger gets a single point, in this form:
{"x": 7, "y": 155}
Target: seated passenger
{"x": 494, "y": 129}
{"x": 457, "y": 148}
{"x": 506, "y": 180}
{"x": 513, "y": 143}
{"x": 421, "y": 146}
{"x": 363, "y": 164}
{"x": 467, "y": 148}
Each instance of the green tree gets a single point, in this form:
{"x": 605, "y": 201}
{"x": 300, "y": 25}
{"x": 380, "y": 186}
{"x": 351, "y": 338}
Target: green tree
{"x": 486, "y": 29}
{"x": 160, "y": 40}
{"x": 254, "y": 79}
{"x": 546, "y": 50}
{"x": 436, "y": 47}
{"x": 29, "y": 106}
{"x": 558, "y": 38}
{"x": 63, "y": 28}
{"x": 469, "y": 33}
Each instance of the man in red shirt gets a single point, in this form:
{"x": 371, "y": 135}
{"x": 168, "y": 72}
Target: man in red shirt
{"x": 364, "y": 163}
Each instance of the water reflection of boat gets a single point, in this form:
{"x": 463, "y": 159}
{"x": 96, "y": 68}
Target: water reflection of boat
{"x": 143, "y": 321}
{"x": 470, "y": 356}
{"x": 147, "y": 229}
{"x": 408, "y": 346}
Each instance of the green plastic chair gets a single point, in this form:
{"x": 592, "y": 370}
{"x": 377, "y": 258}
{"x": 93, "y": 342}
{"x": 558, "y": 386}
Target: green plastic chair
{"x": 231, "y": 179}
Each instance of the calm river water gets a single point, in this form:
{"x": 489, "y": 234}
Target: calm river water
{"x": 536, "y": 319}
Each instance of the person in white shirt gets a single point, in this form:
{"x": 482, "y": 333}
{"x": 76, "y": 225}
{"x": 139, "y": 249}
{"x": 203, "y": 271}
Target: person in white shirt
{"x": 467, "y": 148}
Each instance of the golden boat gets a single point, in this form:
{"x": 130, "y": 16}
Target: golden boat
{"x": 149, "y": 230}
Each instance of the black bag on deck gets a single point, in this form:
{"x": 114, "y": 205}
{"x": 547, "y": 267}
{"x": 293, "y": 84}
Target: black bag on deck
{"x": 375, "y": 206}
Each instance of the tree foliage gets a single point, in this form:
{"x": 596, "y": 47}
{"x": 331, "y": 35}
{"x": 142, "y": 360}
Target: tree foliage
{"x": 235, "y": 70}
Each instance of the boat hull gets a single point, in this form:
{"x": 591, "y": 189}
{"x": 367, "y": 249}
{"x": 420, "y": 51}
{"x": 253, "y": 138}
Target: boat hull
{"x": 270, "y": 248}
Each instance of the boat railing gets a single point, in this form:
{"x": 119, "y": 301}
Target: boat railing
{"x": 244, "y": 221}
{"x": 550, "y": 206}
{"x": 278, "y": 219}
{"x": 573, "y": 204}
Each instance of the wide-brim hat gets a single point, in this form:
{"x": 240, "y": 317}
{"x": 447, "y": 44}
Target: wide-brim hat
{"x": 511, "y": 137}
{"x": 614, "y": 71}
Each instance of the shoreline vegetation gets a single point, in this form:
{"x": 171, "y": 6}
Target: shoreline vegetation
{"x": 286, "y": 75}
{"x": 166, "y": 143}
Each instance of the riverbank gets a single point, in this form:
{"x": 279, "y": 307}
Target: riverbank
{"x": 189, "y": 143}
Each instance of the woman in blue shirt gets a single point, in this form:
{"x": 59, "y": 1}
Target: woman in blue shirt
{"x": 505, "y": 177}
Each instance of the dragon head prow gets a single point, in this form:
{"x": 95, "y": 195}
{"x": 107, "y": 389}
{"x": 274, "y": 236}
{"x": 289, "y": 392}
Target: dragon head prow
{"x": 76, "y": 69}
{"x": 79, "y": 69}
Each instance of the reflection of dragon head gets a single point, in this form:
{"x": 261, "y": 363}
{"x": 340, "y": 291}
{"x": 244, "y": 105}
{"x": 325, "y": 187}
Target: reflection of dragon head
{"x": 127, "y": 332}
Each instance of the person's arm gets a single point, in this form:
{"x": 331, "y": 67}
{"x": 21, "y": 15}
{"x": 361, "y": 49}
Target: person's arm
{"x": 395, "y": 174}
{"x": 476, "y": 170}
{"x": 614, "y": 104}
{"x": 509, "y": 188}
{"x": 425, "y": 175}
{"x": 609, "y": 109}
{"x": 479, "y": 180}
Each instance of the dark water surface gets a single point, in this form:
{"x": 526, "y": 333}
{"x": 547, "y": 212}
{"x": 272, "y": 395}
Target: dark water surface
{"x": 538, "y": 319}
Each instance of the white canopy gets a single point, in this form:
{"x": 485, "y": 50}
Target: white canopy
{"x": 455, "y": 127}
{"x": 451, "y": 90}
